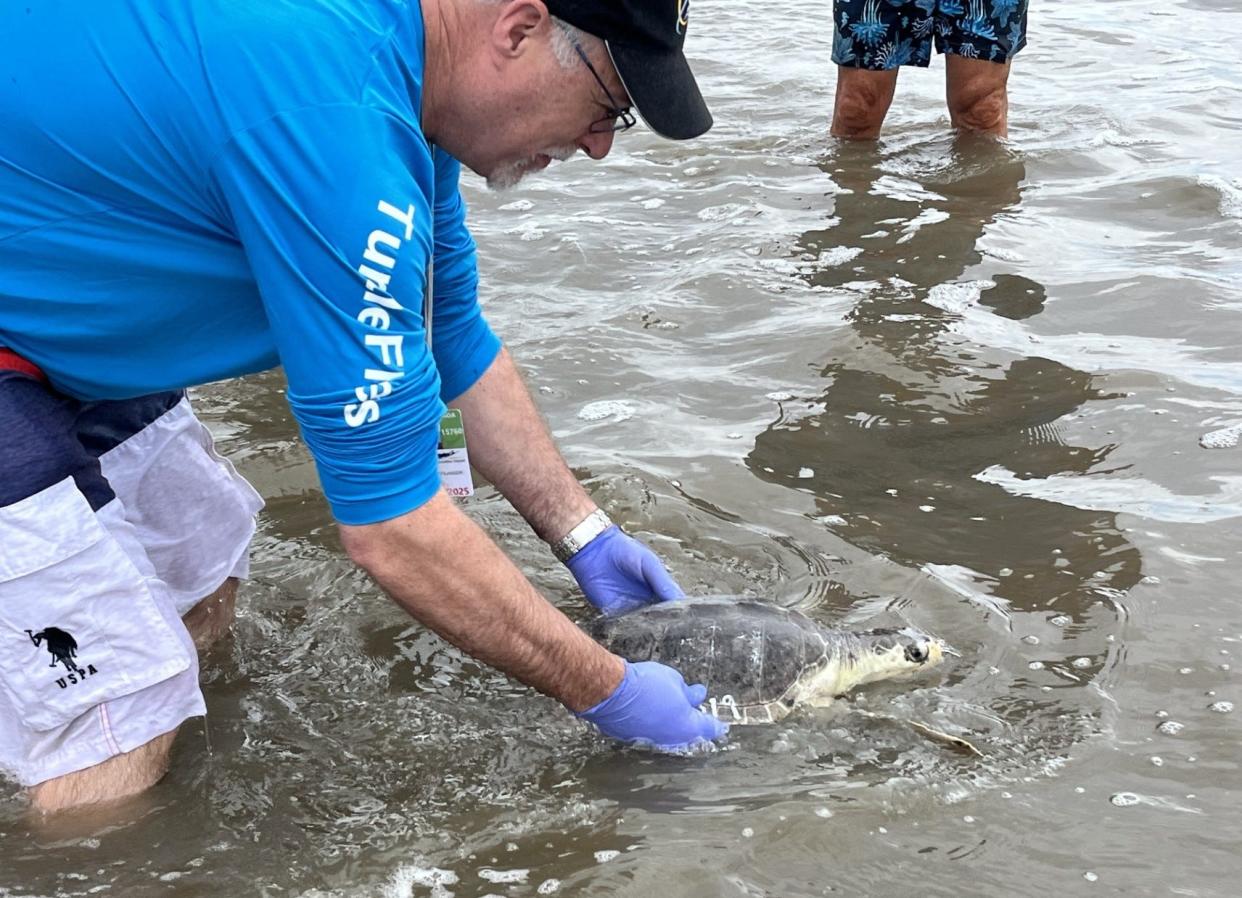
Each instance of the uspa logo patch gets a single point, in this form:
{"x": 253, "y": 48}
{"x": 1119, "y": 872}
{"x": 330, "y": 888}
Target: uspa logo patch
{"x": 64, "y": 649}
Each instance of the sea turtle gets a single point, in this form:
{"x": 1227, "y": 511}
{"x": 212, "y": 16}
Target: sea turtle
{"x": 760, "y": 660}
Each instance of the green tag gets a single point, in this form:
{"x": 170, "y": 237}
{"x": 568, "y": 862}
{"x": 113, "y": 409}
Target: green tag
{"x": 452, "y": 433}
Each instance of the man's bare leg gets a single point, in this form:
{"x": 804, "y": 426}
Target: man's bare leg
{"x": 977, "y": 95}
{"x": 135, "y": 771}
{"x": 118, "y": 777}
{"x": 862, "y": 101}
{"x": 212, "y": 617}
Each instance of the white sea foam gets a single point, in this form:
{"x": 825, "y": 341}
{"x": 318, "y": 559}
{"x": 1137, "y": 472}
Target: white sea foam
{"x": 1003, "y": 253}
{"x": 1089, "y": 352}
{"x": 928, "y": 216}
{"x": 613, "y": 409}
{"x": 497, "y": 876}
{"x": 1134, "y": 495}
{"x": 957, "y": 297}
{"x": 723, "y": 212}
{"x": 839, "y": 255}
{"x": 528, "y": 231}
{"x": 1230, "y": 190}
{"x": 1225, "y": 438}
{"x": 903, "y": 189}
{"x": 407, "y": 877}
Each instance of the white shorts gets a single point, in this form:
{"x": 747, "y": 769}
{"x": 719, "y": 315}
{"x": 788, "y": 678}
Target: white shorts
{"x": 94, "y": 658}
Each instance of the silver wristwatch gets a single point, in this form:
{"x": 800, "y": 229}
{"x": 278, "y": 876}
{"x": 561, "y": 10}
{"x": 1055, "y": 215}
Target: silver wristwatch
{"x": 576, "y": 539}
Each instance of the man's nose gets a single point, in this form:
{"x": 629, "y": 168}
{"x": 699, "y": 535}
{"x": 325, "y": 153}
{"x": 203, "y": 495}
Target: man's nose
{"x": 596, "y": 144}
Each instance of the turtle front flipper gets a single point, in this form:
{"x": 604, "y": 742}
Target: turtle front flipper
{"x": 957, "y": 743}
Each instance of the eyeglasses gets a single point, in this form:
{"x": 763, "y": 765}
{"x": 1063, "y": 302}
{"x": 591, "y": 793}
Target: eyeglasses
{"x": 616, "y": 118}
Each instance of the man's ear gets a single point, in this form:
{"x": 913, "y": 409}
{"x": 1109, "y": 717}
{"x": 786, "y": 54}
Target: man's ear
{"x": 517, "y": 21}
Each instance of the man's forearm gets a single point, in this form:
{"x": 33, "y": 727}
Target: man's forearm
{"x": 444, "y": 570}
{"x": 510, "y": 446}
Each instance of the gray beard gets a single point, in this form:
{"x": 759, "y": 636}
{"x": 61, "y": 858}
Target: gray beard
{"x": 508, "y": 174}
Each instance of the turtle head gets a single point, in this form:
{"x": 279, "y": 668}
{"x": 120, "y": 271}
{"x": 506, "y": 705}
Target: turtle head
{"x": 889, "y": 653}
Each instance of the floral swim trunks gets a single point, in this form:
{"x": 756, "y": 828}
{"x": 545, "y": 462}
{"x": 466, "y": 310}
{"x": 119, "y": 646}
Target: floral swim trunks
{"x": 885, "y": 34}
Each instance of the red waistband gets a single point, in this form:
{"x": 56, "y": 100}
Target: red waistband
{"x": 11, "y": 361}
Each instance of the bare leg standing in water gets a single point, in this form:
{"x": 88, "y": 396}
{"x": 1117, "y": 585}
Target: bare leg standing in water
{"x": 872, "y": 40}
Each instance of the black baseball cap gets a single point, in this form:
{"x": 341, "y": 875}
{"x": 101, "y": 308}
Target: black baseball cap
{"x": 644, "y": 39}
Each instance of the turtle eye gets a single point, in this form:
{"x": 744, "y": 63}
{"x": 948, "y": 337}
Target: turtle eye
{"x": 916, "y": 652}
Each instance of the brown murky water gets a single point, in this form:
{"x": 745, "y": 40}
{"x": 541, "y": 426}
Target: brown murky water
{"x": 965, "y": 385}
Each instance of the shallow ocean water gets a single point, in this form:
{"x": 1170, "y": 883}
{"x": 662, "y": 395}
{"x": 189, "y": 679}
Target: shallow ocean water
{"x": 993, "y": 390}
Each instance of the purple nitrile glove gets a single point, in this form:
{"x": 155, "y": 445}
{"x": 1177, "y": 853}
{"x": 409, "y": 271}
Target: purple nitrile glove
{"x": 617, "y": 573}
{"x": 654, "y": 707}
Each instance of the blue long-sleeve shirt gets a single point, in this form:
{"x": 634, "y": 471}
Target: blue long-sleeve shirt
{"x": 192, "y": 190}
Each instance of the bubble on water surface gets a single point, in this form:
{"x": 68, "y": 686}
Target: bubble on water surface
{"x": 1090, "y": 877}
{"x": 1221, "y": 707}
{"x": 548, "y": 886}
{"x": 1081, "y": 662}
{"x": 1157, "y": 761}
{"x": 747, "y": 833}
{"x": 1036, "y": 665}
{"x": 1171, "y": 727}
{"x": 779, "y": 396}
{"x": 603, "y": 857}
{"x": 823, "y": 812}
{"x": 1031, "y": 640}
{"x": 1124, "y": 799}
{"x": 517, "y": 206}
{"x": 1060, "y": 620}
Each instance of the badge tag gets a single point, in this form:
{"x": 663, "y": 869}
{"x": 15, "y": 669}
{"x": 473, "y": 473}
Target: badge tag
{"x": 452, "y": 457}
